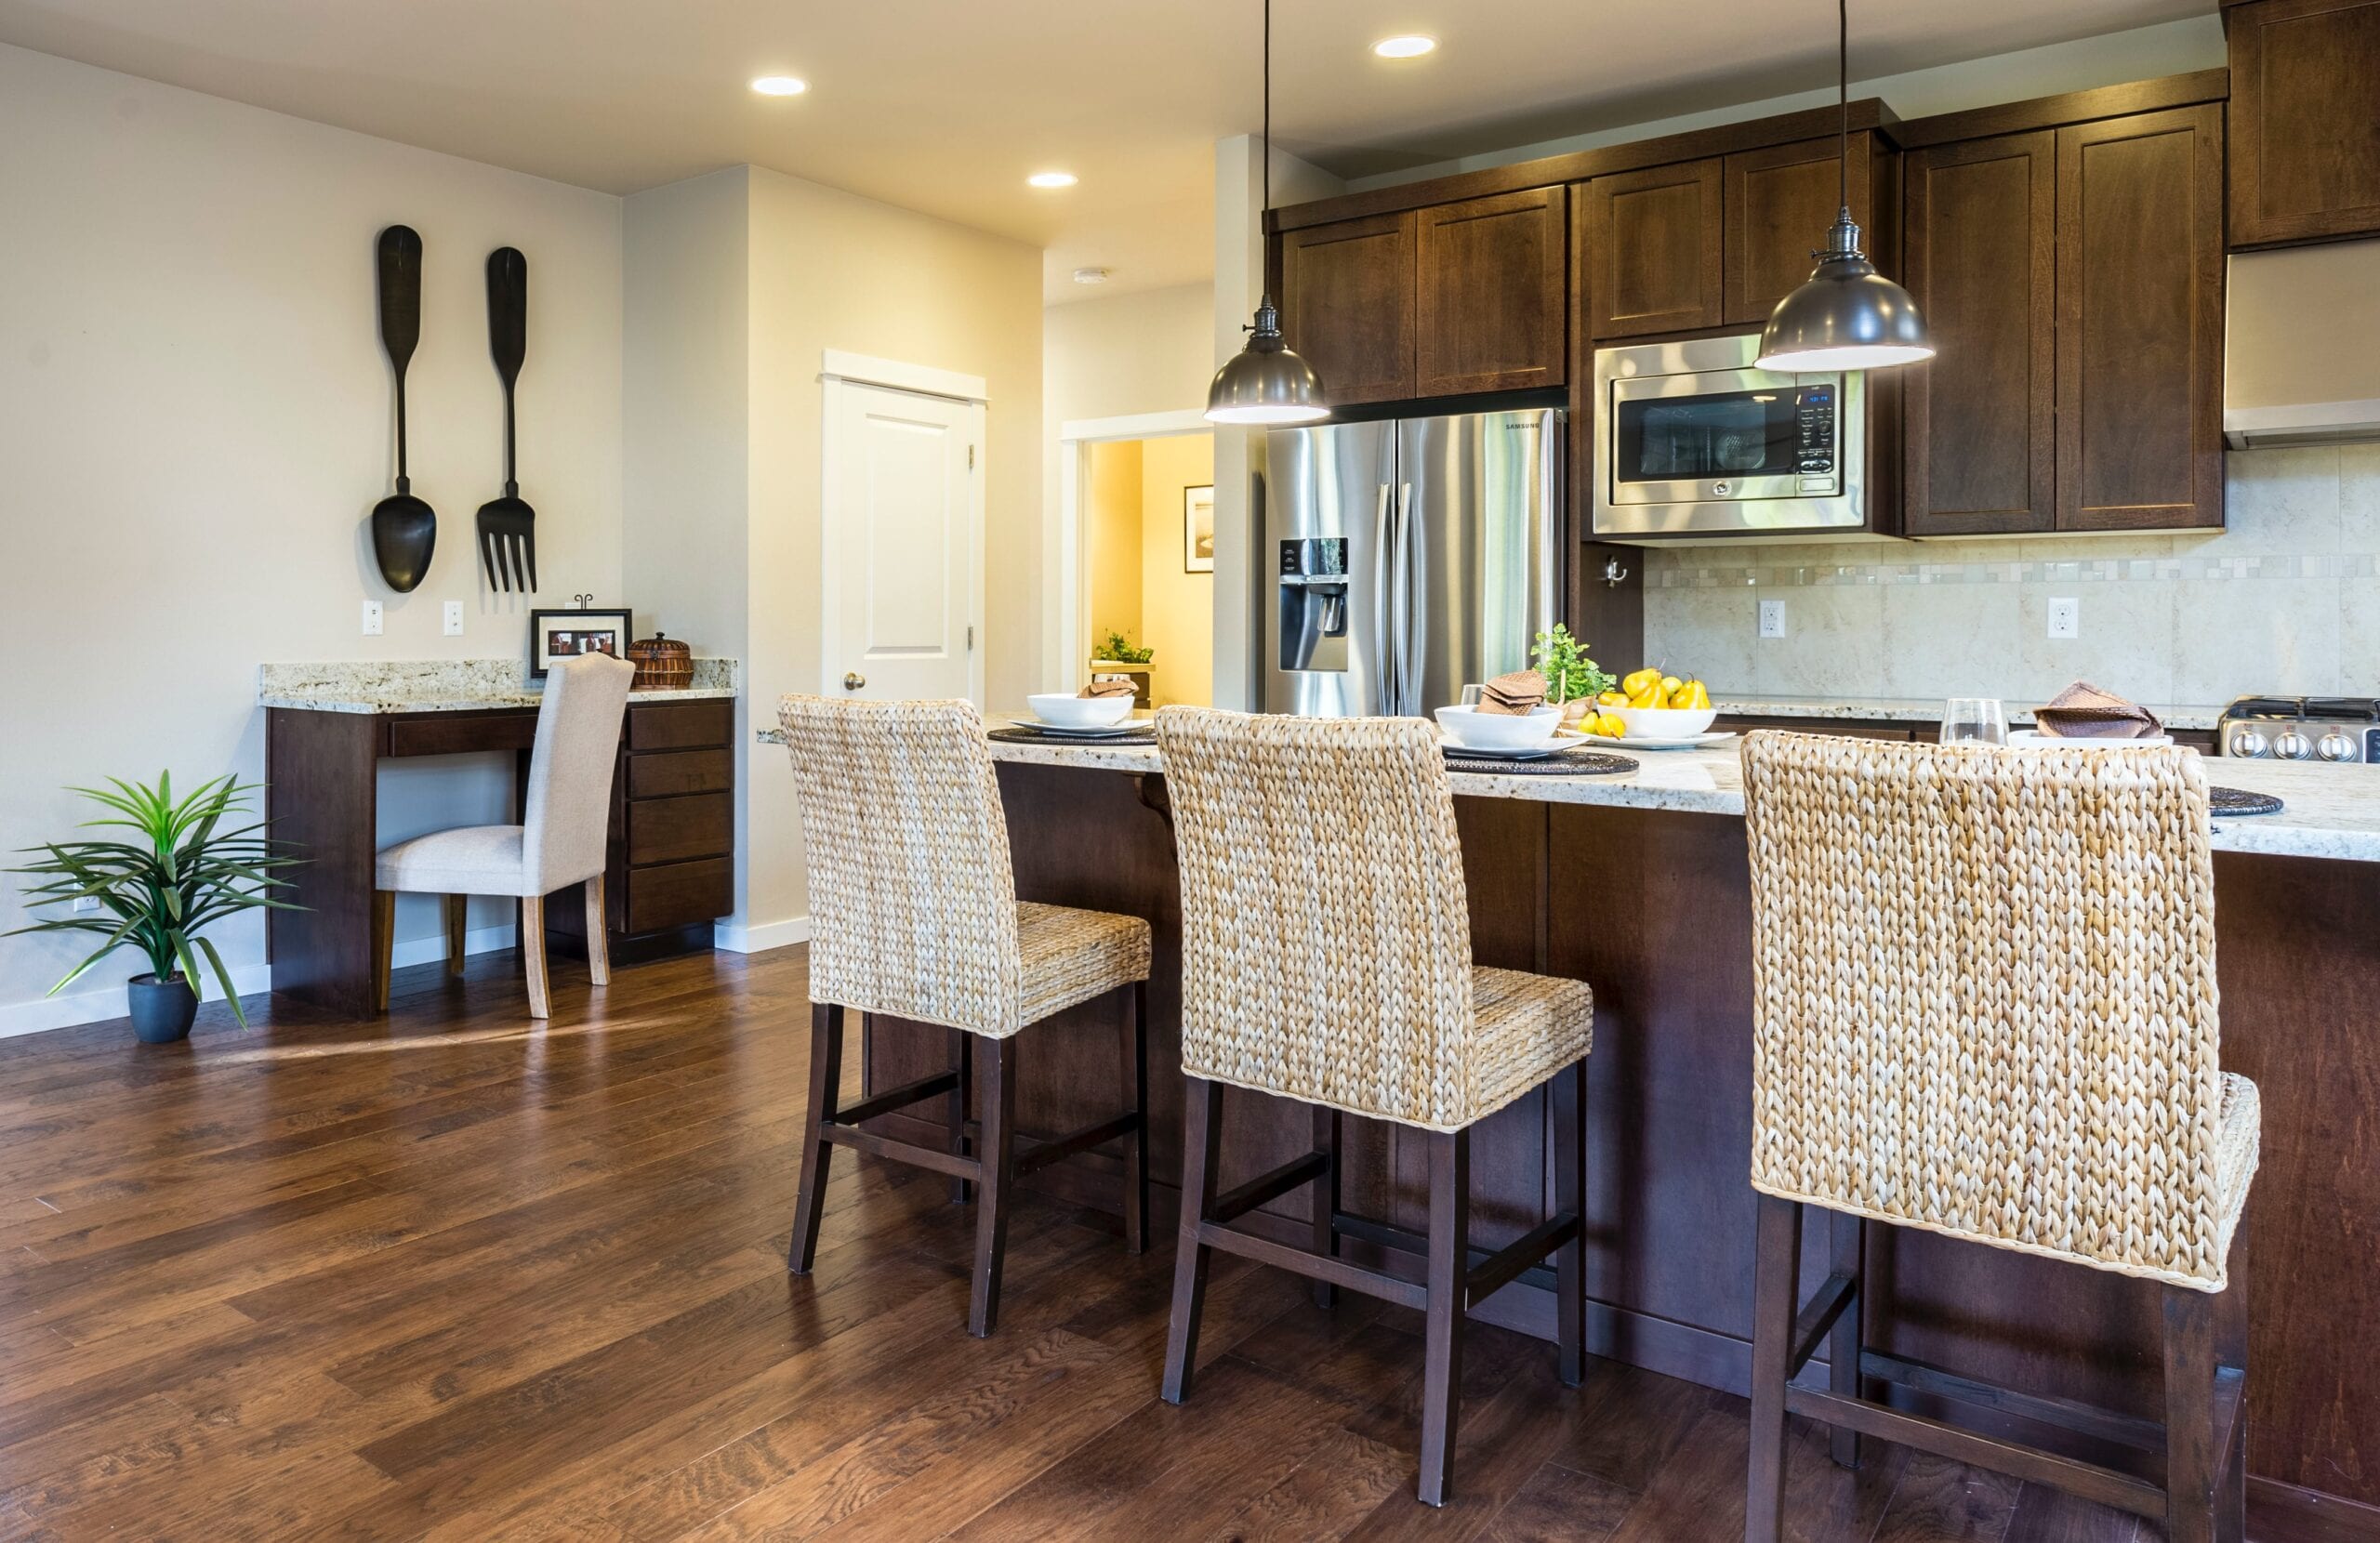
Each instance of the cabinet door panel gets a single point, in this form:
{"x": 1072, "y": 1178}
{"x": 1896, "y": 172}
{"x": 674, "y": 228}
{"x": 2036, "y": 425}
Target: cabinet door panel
{"x": 1981, "y": 244}
{"x": 1491, "y": 277}
{"x": 2140, "y": 322}
{"x": 1653, "y": 250}
{"x": 1347, "y": 305}
{"x": 2304, "y": 119}
{"x": 1779, "y": 204}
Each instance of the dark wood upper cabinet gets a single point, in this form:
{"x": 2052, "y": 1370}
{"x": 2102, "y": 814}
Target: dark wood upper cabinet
{"x": 1491, "y": 276}
{"x": 1981, "y": 245}
{"x": 2305, "y": 120}
{"x": 1780, "y": 203}
{"x": 1653, "y": 250}
{"x": 1347, "y": 305}
{"x": 2140, "y": 322}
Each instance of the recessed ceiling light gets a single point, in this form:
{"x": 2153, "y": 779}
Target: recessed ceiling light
{"x": 780, "y": 85}
{"x": 1090, "y": 275}
{"x": 1053, "y": 179}
{"x": 1413, "y": 45}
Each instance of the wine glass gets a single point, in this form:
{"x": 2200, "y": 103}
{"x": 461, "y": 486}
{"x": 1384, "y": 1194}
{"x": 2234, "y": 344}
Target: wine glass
{"x": 1975, "y": 720}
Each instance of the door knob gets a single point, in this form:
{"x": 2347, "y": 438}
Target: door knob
{"x": 853, "y": 680}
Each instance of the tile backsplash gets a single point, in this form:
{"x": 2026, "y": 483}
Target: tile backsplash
{"x": 2285, "y": 599}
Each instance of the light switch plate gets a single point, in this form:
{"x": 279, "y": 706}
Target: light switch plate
{"x": 1772, "y": 619}
{"x": 454, "y": 618}
{"x": 371, "y": 618}
{"x": 2066, "y": 618}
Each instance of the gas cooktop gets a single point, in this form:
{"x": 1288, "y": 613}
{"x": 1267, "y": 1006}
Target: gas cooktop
{"x": 2336, "y": 729}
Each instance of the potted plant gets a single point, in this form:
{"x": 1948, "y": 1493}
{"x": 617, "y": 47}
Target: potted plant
{"x": 158, "y": 892}
{"x": 1572, "y": 679}
{"x": 1120, "y": 650}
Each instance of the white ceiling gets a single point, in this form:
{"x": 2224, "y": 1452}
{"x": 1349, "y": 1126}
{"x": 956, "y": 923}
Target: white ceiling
{"x": 946, "y": 105}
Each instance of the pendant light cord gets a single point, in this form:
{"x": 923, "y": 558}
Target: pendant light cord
{"x": 1268, "y": 107}
{"x": 1842, "y": 93}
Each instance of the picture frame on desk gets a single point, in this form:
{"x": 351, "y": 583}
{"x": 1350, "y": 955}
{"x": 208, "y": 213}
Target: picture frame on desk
{"x": 567, "y": 634}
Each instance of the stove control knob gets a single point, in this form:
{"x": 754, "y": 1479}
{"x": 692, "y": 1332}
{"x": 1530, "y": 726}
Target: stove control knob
{"x": 2335, "y": 746}
{"x": 2293, "y": 746}
{"x": 2250, "y": 742}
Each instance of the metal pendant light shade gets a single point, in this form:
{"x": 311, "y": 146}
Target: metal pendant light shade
{"x": 1267, "y": 382}
{"x": 1846, "y": 316}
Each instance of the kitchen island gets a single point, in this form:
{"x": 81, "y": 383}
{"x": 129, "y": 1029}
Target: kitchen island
{"x": 1638, "y": 885}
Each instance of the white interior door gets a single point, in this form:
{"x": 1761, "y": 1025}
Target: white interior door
{"x": 902, "y": 542}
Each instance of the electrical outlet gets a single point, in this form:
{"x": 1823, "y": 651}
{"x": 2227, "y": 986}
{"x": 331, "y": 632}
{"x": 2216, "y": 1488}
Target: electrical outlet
{"x": 86, "y": 902}
{"x": 2066, "y": 618}
{"x": 1772, "y": 619}
{"x": 454, "y": 618}
{"x": 371, "y": 618}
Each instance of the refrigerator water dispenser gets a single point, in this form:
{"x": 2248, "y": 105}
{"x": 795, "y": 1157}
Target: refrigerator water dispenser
{"x": 1314, "y": 603}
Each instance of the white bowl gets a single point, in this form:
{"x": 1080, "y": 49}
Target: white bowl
{"x": 2033, "y": 739}
{"x": 1469, "y": 726}
{"x": 1065, "y": 710}
{"x": 1664, "y": 722}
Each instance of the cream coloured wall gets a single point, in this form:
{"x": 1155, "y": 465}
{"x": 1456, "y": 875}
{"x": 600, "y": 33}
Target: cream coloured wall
{"x": 1177, "y": 607}
{"x": 1111, "y": 541}
{"x": 195, "y": 420}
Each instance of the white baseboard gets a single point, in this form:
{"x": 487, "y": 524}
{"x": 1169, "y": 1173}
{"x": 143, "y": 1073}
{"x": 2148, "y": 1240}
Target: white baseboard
{"x": 739, "y": 939}
{"x": 431, "y": 949}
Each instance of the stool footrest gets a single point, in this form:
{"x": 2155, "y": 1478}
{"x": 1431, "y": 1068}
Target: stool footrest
{"x": 898, "y": 1098}
{"x": 902, "y": 1152}
{"x": 2088, "y": 1481}
{"x": 1082, "y": 1141}
{"x": 2065, "y": 1414}
{"x": 1502, "y": 1267}
{"x": 1233, "y": 1204}
{"x": 1387, "y": 1234}
{"x": 1318, "y": 1267}
{"x": 1816, "y": 1316}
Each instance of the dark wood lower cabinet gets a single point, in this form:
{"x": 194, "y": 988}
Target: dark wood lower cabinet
{"x": 1653, "y": 910}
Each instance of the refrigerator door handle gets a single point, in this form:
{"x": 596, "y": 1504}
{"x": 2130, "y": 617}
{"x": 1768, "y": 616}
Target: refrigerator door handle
{"x": 1384, "y": 629}
{"x": 1409, "y": 605}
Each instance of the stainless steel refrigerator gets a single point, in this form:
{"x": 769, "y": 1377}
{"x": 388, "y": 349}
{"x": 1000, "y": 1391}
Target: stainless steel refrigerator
{"x": 1408, "y": 558}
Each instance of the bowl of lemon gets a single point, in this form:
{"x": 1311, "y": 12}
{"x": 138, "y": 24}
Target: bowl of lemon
{"x": 1651, "y": 705}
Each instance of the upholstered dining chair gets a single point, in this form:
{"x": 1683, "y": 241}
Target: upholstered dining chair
{"x": 561, "y": 841}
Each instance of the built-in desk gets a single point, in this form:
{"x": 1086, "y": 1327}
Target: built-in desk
{"x": 672, "y": 869}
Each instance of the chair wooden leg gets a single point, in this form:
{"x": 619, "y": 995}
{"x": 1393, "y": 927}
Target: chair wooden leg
{"x": 1136, "y": 1145}
{"x": 599, "y": 941}
{"x": 1450, "y": 1264}
{"x": 1568, "y": 1101}
{"x": 1847, "y": 1239}
{"x": 1202, "y": 1148}
{"x": 532, "y": 954}
{"x": 458, "y": 910}
{"x": 2231, "y": 1349}
{"x": 1325, "y": 1198}
{"x": 384, "y": 946}
{"x": 1775, "y": 1272}
{"x": 825, "y": 1085}
{"x": 998, "y": 1072}
{"x": 2191, "y": 1463}
{"x": 962, "y": 1060}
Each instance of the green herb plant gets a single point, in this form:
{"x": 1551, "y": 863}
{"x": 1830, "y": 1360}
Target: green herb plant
{"x": 1570, "y": 676}
{"x": 157, "y": 893}
{"x": 1122, "y": 650}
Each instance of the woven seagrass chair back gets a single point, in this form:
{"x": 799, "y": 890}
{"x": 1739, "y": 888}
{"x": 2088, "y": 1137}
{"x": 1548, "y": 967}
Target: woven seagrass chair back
{"x": 1984, "y": 995}
{"x": 912, "y": 899}
{"x": 1326, "y": 935}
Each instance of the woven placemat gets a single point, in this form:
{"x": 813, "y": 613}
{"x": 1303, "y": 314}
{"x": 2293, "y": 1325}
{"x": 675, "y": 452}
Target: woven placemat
{"x": 1567, "y": 763}
{"x": 1023, "y": 734}
{"x": 2238, "y": 800}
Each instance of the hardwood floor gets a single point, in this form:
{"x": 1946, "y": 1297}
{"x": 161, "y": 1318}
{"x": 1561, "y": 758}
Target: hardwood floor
{"x": 457, "y": 1275}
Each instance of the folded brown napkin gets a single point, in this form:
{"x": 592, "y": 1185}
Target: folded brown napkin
{"x": 1108, "y": 688}
{"x": 2083, "y": 711}
{"x": 1514, "y": 695}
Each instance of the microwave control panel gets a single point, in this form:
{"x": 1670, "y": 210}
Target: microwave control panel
{"x": 1815, "y": 412}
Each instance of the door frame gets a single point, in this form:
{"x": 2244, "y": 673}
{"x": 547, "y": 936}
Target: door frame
{"x": 840, "y": 370}
{"x": 1067, "y": 648}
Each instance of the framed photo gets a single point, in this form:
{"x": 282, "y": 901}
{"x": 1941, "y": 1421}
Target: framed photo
{"x": 567, "y": 634}
{"x": 1199, "y": 529}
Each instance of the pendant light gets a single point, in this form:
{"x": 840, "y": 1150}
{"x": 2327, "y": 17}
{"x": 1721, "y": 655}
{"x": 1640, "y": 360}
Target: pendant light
{"x": 1846, "y": 316}
{"x": 1267, "y": 382}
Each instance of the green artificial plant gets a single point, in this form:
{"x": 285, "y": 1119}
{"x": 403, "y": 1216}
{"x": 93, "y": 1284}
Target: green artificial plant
{"x": 1570, "y": 676}
{"x": 1121, "y": 648}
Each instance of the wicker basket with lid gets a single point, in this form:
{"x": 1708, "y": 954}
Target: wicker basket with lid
{"x": 662, "y": 664}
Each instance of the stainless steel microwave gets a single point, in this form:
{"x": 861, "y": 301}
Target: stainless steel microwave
{"x": 1692, "y": 441}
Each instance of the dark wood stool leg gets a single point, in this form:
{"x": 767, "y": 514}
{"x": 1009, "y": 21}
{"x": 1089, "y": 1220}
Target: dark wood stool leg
{"x": 825, "y": 1087}
{"x": 1202, "y": 1148}
{"x": 1442, "y": 1343}
{"x": 1136, "y": 1145}
{"x": 2191, "y": 1462}
{"x": 1774, "y": 1274}
{"x": 962, "y": 1060}
{"x": 1325, "y": 1200}
{"x": 999, "y": 1147}
{"x": 2231, "y": 1349}
{"x": 1847, "y": 1236}
{"x": 1567, "y": 1101}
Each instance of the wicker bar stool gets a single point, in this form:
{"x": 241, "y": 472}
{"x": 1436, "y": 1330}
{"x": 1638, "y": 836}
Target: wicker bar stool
{"x": 1326, "y": 957}
{"x": 1984, "y": 1006}
{"x": 914, "y": 915}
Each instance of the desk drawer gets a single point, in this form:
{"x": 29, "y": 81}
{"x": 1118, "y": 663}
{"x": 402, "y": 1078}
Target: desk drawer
{"x": 670, "y": 830}
{"x": 452, "y": 733}
{"x": 676, "y": 772}
{"x": 678, "y": 893}
{"x": 682, "y": 725}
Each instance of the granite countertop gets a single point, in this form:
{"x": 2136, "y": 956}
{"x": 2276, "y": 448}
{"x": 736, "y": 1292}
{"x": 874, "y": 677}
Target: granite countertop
{"x": 441, "y": 685}
{"x": 1916, "y": 710}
